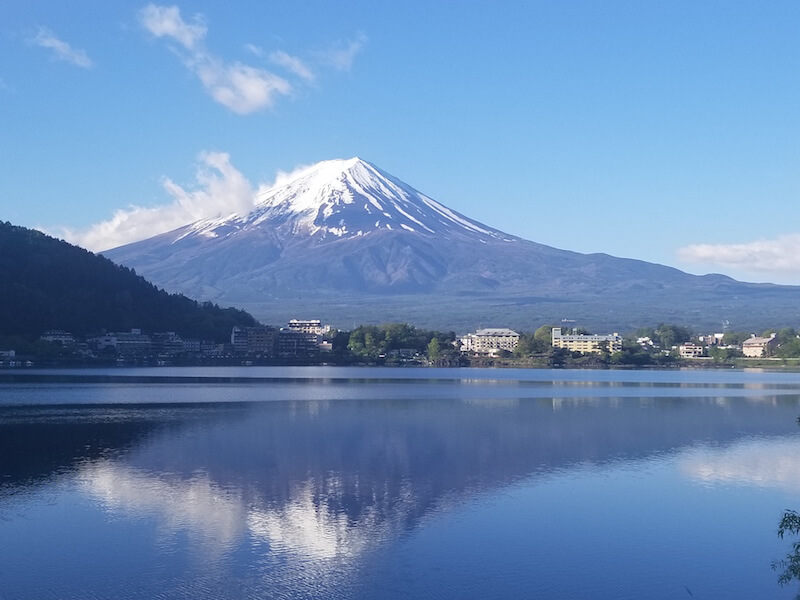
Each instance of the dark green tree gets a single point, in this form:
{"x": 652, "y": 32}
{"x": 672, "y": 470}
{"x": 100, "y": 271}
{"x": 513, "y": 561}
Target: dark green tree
{"x": 788, "y": 349}
{"x": 734, "y": 338}
{"x": 526, "y": 346}
{"x": 47, "y": 283}
{"x": 672, "y": 335}
{"x": 543, "y": 338}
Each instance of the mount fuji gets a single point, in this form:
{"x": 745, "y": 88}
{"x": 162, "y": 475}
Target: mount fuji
{"x": 348, "y": 242}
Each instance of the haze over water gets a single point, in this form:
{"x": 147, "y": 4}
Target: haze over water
{"x": 396, "y": 483}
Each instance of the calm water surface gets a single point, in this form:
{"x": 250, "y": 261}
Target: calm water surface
{"x": 395, "y": 483}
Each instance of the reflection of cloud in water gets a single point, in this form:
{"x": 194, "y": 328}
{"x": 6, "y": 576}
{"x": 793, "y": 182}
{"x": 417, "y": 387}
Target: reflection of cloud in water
{"x": 216, "y": 515}
{"x": 305, "y": 526}
{"x": 761, "y": 463}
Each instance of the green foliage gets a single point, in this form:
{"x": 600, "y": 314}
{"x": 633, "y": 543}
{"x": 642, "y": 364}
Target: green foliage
{"x": 788, "y": 349}
{"x": 643, "y": 332}
{"x": 558, "y": 356}
{"x": 543, "y": 338}
{"x": 526, "y": 346}
{"x": 538, "y": 342}
{"x": 789, "y": 566}
{"x": 631, "y": 356}
{"x": 434, "y": 349}
{"x": 668, "y": 336}
{"x": 339, "y": 341}
{"x": 723, "y": 354}
{"x": 375, "y": 341}
{"x": 734, "y": 338}
{"x": 48, "y": 284}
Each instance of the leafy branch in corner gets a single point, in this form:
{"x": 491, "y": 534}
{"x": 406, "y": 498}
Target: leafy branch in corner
{"x": 790, "y": 566}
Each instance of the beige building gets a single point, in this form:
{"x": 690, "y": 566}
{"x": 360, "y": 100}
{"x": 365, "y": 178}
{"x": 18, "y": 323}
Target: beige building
{"x": 588, "y": 344}
{"x": 490, "y": 341}
{"x": 757, "y": 347}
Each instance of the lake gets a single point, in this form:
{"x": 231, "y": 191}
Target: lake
{"x": 325, "y": 482}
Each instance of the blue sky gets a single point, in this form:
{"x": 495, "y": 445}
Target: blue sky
{"x": 664, "y": 131}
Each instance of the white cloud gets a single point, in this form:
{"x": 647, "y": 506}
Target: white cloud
{"x": 780, "y": 255}
{"x": 61, "y": 49}
{"x": 239, "y": 87}
{"x": 242, "y": 88}
{"x": 340, "y": 56}
{"x": 221, "y": 190}
{"x": 166, "y": 21}
{"x": 292, "y": 64}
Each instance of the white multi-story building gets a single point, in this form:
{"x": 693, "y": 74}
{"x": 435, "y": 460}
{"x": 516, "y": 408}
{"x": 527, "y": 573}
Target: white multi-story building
{"x": 691, "y": 350}
{"x": 57, "y": 336}
{"x": 309, "y": 326}
{"x": 490, "y": 341}
{"x": 588, "y": 344}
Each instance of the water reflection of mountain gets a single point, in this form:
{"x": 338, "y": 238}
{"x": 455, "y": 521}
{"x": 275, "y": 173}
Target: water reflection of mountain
{"x": 327, "y": 477}
{"x": 315, "y": 471}
{"x": 37, "y": 443}
{"x": 449, "y": 444}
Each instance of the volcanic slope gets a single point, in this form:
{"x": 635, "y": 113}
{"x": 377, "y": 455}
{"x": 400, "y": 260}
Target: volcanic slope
{"x": 348, "y": 242}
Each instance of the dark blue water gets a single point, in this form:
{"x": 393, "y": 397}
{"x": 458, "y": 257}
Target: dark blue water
{"x": 396, "y": 483}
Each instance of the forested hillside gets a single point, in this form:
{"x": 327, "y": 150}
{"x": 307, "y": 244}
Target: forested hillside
{"x": 47, "y": 283}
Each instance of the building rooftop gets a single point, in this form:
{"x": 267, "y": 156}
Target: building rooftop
{"x": 501, "y": 331}
{"x": 758, "y": 341}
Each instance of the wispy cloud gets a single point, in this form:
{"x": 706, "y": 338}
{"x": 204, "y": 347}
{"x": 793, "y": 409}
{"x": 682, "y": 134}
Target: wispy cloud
{"x": 255, "y": 50}
{"x": 340, "y": 55}
{"x": 61, "y": 50}
{"x": 779, "y": 256}
{"x": 292, "y": 64}
{"x": 220, "y": 190}
{"x": 241, "y": 88}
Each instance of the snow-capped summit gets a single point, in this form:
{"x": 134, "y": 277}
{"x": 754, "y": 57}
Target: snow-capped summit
{"x": 344, "y": 198}
{"x": 352, "y": 197}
